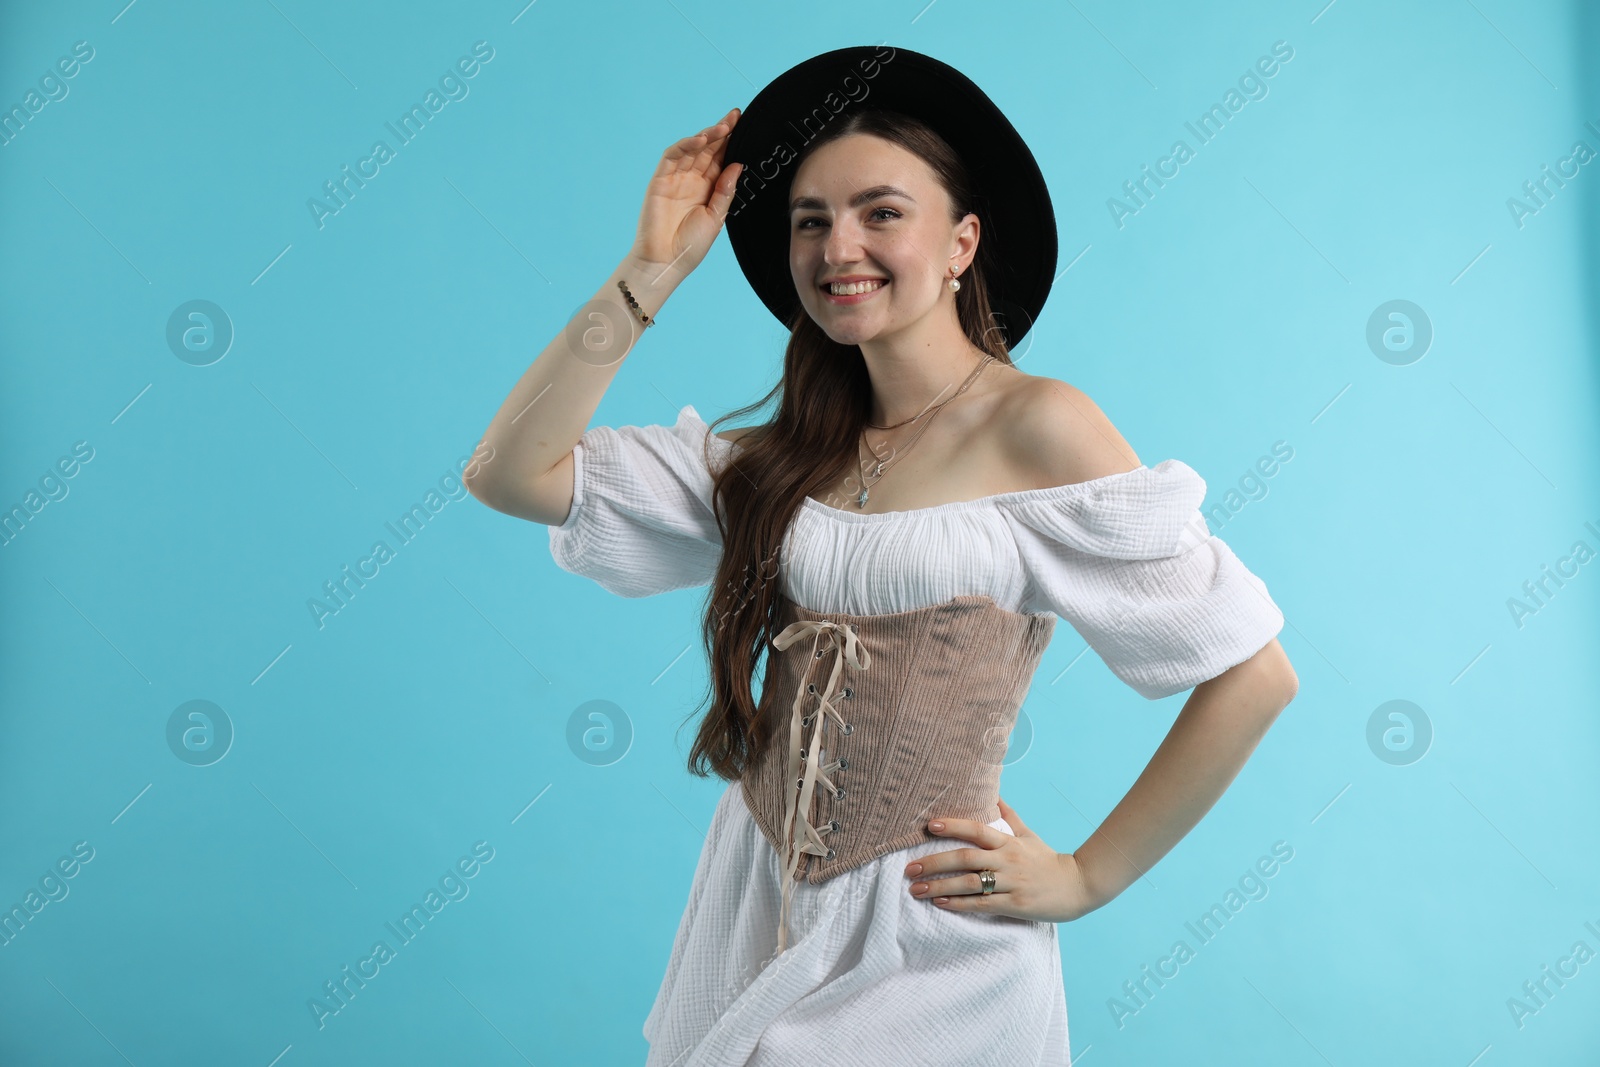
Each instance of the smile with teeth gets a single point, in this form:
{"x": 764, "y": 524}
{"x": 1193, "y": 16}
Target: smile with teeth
{"x": 854, "y": 288}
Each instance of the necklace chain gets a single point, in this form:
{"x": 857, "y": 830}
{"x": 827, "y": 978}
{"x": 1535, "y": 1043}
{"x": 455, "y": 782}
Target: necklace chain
{"x": 882, "y": 466}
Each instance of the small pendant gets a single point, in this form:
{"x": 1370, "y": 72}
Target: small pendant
{"x": 861, "y": 501}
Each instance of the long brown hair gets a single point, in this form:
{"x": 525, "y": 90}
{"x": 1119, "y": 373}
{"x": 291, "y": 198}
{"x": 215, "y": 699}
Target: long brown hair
{"x": 824, "y": 400}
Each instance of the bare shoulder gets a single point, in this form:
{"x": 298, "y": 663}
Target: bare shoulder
{"x": 1058, "y": 435}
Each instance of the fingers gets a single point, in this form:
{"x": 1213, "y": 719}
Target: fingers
{"x": 937, "y": 889}
{"x": 705, "y": 149}
{"x": 718, "y": 133}
{"x": 722, "y": 196}
{"x": 984, "y": 838}
{"x": 965, "y": 899}
{"x": 978, "y": 833}
{"x": 961, "y": 859}
{"x": 714, "y": 133}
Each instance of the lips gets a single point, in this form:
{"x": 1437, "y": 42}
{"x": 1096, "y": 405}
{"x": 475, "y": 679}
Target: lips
{"x": 854, "y": 298}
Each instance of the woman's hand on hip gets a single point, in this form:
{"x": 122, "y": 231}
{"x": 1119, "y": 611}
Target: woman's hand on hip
{"x": 1031, "y": 879}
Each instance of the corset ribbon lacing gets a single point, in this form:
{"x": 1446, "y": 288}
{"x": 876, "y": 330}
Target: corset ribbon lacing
{"x": 799, "y": 835}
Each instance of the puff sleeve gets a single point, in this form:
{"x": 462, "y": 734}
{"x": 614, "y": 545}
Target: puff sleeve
{"x": 1129, "y": 562}
{"x": 641, "y": 521}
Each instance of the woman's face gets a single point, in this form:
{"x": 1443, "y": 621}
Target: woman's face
{"x": 898, "y": 232}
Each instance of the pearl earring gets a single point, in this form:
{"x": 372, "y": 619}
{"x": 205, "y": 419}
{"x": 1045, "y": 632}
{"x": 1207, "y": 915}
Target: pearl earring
{"x": 955, "y": 283}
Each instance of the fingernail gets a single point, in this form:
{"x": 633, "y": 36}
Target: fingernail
{"x": 914, "y": 870}
{"x": 936, "y": 826}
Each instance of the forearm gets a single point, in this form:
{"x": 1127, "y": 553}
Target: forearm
{"x": 1219, "y": 727}
{"x": 555, "y": 399}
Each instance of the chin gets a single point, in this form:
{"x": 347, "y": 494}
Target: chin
{"x": 845, "y": 333}
{"x": 852, "y": 336}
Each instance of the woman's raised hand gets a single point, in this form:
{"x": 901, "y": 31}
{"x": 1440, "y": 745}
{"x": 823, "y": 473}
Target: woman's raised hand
{"x": 687, "y": 199}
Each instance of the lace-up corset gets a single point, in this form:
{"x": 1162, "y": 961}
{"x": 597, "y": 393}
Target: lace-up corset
{"x": 909, "y": 722}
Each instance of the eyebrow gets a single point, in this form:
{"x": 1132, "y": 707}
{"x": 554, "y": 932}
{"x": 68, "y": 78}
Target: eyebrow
{"x": 864, "y": 196}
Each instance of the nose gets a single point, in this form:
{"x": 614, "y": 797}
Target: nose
{"x": 843, "y": 244}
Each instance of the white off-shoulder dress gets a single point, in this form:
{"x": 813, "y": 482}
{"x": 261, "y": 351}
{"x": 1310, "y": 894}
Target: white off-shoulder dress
{"x": 875, "y": 976}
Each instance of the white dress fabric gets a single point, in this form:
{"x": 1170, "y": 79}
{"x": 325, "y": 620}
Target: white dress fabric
{"x": 874, "y": 976}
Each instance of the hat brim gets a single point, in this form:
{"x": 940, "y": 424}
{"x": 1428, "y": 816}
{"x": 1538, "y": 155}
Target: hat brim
{"x": 1018, "y": 221}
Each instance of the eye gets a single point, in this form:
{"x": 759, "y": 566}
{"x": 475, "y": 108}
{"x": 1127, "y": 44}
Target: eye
{"x": 893, "y": 214}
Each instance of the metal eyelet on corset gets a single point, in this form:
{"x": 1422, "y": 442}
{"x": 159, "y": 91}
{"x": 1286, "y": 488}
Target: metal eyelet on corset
{"x": 837, "y": 793}
{"x": 811, "y": 687}
{"x": 829, "y": 856}
{"x": 848, "y": 693}
{"x": 821, "y": 652}
{"x": 834, "y": 826}
{"x": 844, "y": 764}
{"x": 805, "y": 720}
{"x": 847, "y": 728}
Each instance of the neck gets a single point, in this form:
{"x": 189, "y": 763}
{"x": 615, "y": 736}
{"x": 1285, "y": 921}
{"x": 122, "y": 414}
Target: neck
{"x": 911, "y": 374}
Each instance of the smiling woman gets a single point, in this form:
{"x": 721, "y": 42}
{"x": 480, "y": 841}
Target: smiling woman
{"x": 863, "y": 886}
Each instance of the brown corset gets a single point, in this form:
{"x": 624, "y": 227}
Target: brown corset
{"x": 909, "y": 722}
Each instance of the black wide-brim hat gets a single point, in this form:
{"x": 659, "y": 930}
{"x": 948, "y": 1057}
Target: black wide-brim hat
{"x": 1017, "y": 222}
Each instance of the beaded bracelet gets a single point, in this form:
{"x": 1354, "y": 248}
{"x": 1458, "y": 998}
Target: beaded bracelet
{"x": 646, "y": 319}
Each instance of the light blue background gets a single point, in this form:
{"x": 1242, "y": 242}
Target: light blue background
{"x": 431, "y": 713}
